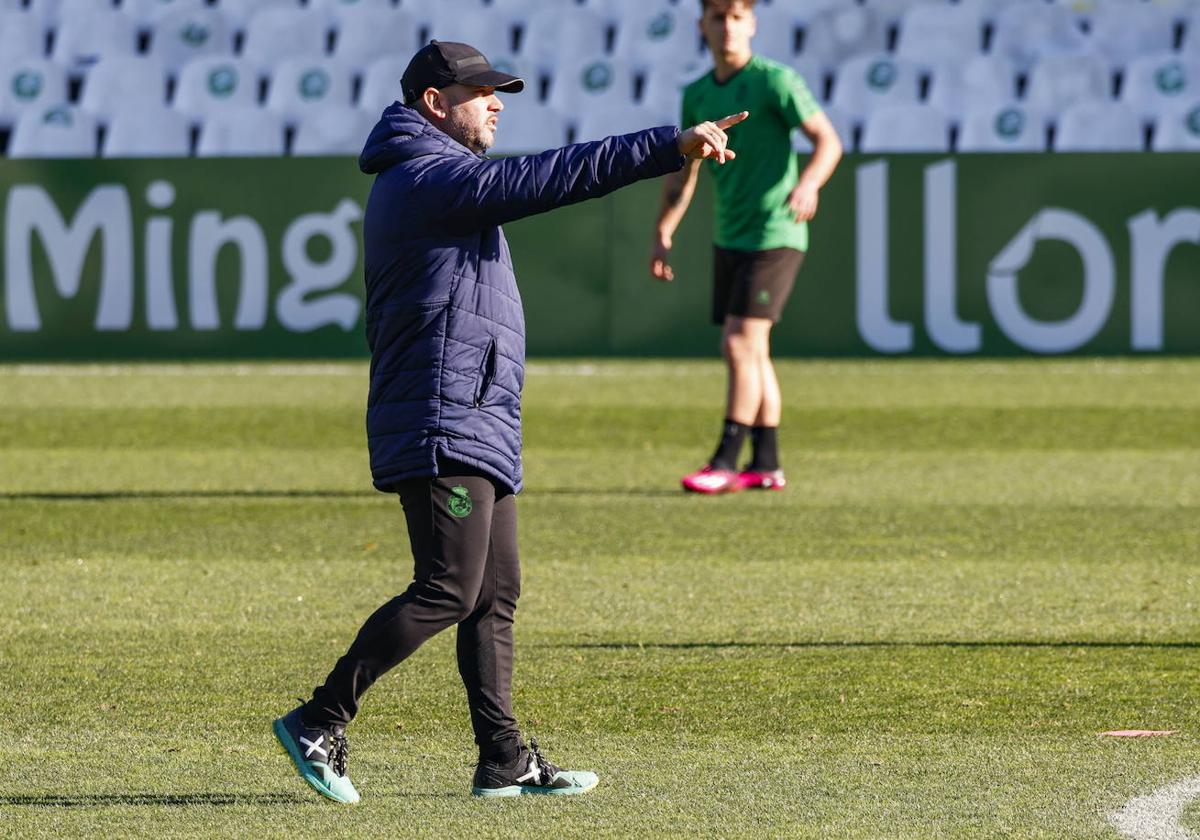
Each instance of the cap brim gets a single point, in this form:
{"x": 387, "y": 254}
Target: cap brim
{"x": 494, "y": 78}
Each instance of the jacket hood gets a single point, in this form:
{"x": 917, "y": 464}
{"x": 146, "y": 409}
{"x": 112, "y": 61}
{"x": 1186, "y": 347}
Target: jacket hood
{"x": 402, "y": 134}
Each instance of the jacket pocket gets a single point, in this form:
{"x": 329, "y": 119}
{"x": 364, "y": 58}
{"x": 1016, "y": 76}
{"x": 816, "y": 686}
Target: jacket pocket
{"x": 487, "y": 373}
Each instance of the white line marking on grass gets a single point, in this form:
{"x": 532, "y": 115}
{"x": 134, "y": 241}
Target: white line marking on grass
{"x": 1156, "y": 815}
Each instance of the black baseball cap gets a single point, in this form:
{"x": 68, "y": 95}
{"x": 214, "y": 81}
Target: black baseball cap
{"x": 439, "y": 64}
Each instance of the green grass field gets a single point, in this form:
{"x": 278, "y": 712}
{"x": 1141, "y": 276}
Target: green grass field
{"x": 977, "y": 568}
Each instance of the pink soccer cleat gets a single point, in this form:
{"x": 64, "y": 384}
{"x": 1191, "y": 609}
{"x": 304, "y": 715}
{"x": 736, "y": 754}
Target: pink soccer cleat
{"x": 762, "y": 480}
{"x": 711, "y": 481}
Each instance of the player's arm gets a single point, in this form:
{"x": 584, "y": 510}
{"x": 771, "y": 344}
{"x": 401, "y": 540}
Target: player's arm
{"x": 827, "y": 151}
{"x": 677, "y": 191}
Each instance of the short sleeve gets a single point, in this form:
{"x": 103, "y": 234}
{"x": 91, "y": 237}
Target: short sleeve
{"x": 796, "y": 101}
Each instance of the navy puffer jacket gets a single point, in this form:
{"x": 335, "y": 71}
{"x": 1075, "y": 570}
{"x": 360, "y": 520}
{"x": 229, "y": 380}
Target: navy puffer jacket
{"x": 444, "y": 317}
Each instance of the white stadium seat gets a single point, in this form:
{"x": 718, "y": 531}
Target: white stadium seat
{"x": 21, "y": 35}
{"x": 983, "y": 79}
{"x": 336, "y": 12}
{"x": 551, "y": 37}
{"x": 138, "y": 132}
{"x": 299, "y": 86}
{"x": 239, "y": 12}
{"x": 892, "y": 12}
{"x": 657, "y": 35}
{"x": 241, "y": 132}
{"x": 837, "y": 34}
{"x": 370, "y": 33}
{"x": 332, "y": 131}
{"x": 594, "y": 83}
{"x": 146, "y": 13}
{"x": 381, "y": 84}
{"x": 663, "y": 85}
{"x": 29, "y": 84}
{"x": 871, "y": 81}
{"x": 1123, "y": 32}
{"x": 1098, "y": 127}
{"x": 210, "y": 85}
{"x": 60, "y": 132}
{"x": 1026, "y": 32}
{"x": 278, "y": 33}
{"x": 842, "y": 124}
{"x": 1178, "y": 130}
{"x": 86, "y": 35}
{"x": 1157, "y": 84}
{"x": 118, "y": 81}
{"x": 596, "y": 124}
{"x": 932, "y": 35}
{"x": 1057, "y": 81}
{"x": 527, "y": 126}
{"x": 185, "y": 35}
{"x": 490, "y": 33}
{"x": 1001, "y": 127}
{"x": 905, "y": 128}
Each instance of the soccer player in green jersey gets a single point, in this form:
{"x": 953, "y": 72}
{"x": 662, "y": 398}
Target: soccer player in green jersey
{"x": 764, "y": 202}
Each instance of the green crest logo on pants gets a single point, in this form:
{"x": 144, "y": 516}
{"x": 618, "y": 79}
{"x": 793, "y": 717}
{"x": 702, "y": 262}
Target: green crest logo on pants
{"x": 459, "y": 503}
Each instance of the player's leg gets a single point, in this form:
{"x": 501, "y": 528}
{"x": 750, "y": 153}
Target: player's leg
{"x": 485, "y": 657}
{"x": 449, "y": 522}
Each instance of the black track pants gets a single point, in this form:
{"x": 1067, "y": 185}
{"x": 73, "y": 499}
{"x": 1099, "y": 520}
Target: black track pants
{"x": 463, "y": 530}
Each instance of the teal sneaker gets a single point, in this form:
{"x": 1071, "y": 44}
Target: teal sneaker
{"x": 319, "y": 755}
{"x": 530, "y": 772}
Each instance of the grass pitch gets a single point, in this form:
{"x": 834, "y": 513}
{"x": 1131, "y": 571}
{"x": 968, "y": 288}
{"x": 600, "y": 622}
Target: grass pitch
{"x": 977, "y": 567}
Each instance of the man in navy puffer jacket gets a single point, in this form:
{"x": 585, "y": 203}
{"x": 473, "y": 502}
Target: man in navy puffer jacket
{"x": 447, "y": 337}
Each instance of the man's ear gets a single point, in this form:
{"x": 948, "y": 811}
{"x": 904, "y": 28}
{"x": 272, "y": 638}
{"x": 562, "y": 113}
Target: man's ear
{"x": 435, "y": 103}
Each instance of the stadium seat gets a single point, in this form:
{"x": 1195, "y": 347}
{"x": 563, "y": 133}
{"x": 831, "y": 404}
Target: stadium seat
{"x": 933, "y": 35}
{"x": 1156, "y": 84}
{"x": 370, "y": 33}
{"x": 241, "y": 132}
{"x": 1178, "y": 130}
{"x": 210, "y": 85}
{"x": 87, "y": 34}
{"x": 147, "y": 131}
{"x": 596, "y": 83}
{"x": 842, "y": 124}
{"x": 659, "y": 35}
{"x": 1191, "y": 34}
{"x": 332, "y": 131}
{"x": 1057, "y": 81}
{"x": 777, "y": 34}
{"x": 528, "y": 126}
{"x": 663, "y": 87}
{"x": 146, "y": 13}
{"x": 21, "y": 35}
{"x": 1098, "y": 127}
{"x": 814, "y": 76}
{"x": 893, "y": 12}
{"x": 905, "y": 128}
{"x": 239, "y": 12}
{"x": 57, "y": 132}
{"x": 119, "y": 81}
{"x": 1026, "y": 32}
{"x": 550, "y": 37}
{"x": 336, "y": 12}
{"x": 30, "y": 84}
{"x": 299, "y": 86}
{"x": 381, "y": 84}
{"x": 983, "y": 79}
{"x": 595, "y": 124}
{"x": 278, "y": 33}
{"x": 837, "y": 34}
{"x": 185, "y": 35}
{"x": 1001, "y": 127}
{"x": 870, "y": 81}
{"x": 1121, "y": 33}
{"x": 488, "y": 32}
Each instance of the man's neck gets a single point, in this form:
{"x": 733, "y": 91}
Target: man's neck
{"x": 726, "y": 65}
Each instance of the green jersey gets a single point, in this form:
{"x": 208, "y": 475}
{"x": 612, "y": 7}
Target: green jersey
{"x": 752, "y": 190}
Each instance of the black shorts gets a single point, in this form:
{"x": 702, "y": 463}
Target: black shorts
{"x": 753, "y": 284}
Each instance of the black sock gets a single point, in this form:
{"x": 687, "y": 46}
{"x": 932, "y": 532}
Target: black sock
{"x": 766, "y": 449}
{"x": 725, "y": 458}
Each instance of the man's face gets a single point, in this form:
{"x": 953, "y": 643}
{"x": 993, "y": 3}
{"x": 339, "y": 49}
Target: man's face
{"x": 728, "y": 27}
{"x": 472, "y": 115}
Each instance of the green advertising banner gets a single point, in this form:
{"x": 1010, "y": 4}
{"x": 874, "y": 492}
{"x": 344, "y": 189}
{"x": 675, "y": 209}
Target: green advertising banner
{"x": 911, "y": 255}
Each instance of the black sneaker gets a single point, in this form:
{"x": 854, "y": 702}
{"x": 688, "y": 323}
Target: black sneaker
{"x": 530, "y": 772}
{"x": 319, "y": 755}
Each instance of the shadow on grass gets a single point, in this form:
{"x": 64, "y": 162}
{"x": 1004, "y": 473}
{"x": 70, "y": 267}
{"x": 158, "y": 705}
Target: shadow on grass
{"x": 950, "y": 643}
{"x": 101, "y": 800}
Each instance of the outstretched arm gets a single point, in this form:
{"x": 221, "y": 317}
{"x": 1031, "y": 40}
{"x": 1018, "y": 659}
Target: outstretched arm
{"x": 827, "y": 151}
